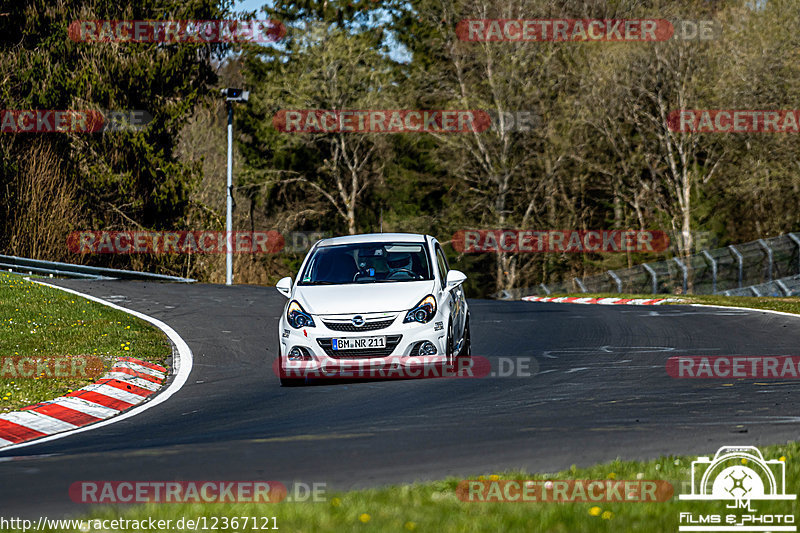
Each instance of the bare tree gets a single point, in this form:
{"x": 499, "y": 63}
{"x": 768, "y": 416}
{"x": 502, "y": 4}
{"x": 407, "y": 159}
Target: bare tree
{"x": 327, "y": 69}
{"x": 512, "y": 171}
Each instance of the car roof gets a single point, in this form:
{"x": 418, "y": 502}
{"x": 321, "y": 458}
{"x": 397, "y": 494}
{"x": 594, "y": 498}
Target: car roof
{"x": 374, "y": 237}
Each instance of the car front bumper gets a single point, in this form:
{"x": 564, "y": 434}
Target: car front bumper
{"x": 402, "y": 343}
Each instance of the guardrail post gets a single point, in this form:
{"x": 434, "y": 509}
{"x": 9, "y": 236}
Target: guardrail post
{"x": 797, "y": 242}
{"x": 685, "y": 274}
{"x": 616, "y": 280}
{"x": 546, "y": 290}
{"x": 782, "y": 286}
{"x": 580, "y": 284}
{"x": 653, "y": 276}
{"x": 764, "y": 245}
{"x": 739, "y": 259}
{"x": 713, "y": 271}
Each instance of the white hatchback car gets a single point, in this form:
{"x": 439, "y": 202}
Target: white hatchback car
{"x": 373, "y": 300}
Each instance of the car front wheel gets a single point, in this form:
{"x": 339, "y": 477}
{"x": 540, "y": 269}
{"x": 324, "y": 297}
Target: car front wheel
{"x": 466, "y": 348}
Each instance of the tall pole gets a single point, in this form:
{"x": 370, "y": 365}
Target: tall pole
{"x": 229, "y": 215}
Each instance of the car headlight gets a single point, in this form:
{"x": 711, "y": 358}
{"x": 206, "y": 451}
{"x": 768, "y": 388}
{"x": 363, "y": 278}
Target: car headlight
{"x": 423, "y": 312}
{"x": 297, "y": 316}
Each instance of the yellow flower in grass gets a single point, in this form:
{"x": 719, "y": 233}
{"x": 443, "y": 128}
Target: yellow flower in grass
{"x": 336, "y": 502}
{"x": 494, "y": 477}
{"x": 364, "y": 518}
{"x": 782, "y": 459}
{"x": 411, "y": 526}
{"x": 607, "y": 515}
{"x": 595, "y": 511}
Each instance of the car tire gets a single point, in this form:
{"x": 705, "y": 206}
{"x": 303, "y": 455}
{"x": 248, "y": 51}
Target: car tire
{"x": 449, "y": 344}
{"x": 466, "y": 349}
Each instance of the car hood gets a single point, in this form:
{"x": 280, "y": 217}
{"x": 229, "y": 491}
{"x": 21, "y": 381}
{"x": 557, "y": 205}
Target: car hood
{"x": 363, "y": 298}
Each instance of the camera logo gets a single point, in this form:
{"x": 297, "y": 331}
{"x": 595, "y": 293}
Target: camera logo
{"x": 737, "y": 475}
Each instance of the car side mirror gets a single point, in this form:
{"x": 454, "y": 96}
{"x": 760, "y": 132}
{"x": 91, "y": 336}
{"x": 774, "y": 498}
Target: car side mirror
{"x": 284, "y": 286}
{"x": 454, "y": 279}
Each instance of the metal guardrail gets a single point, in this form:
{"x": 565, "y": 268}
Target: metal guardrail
{"x": 780, "y": 287}
{"x": 744, "y": 269}
{"x": 22, "y": 265}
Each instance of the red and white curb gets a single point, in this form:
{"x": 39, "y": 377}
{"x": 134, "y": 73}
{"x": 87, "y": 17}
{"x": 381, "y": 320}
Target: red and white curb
{"x": 125, "y": 388}
{"x": 129, "y": 382}
{"x": 601, "y": 301}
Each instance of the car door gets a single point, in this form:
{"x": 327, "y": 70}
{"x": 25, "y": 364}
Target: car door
{"x": 455, "y": 298}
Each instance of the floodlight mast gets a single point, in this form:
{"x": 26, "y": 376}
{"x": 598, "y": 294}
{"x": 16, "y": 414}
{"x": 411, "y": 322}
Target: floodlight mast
{"x": 231, "y": 95}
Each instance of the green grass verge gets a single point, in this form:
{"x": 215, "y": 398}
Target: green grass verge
{"x": 40, "y": 322}
{"x": 435, "y": 506}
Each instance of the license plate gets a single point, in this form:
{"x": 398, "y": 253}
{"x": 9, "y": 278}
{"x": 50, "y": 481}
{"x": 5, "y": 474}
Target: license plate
{"x": 358, "y": 343}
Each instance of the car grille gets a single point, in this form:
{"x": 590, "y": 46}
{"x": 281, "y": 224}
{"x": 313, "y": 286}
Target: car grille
{"x": 368, "y": 326}
{"x": 391, "y": 343}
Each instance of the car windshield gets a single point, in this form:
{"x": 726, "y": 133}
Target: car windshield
{"x": 388, "y": 262}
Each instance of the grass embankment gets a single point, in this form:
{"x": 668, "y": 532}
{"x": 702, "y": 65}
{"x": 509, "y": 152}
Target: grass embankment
{"x": 41, "y": 323}
{"x": 435, "y": 506}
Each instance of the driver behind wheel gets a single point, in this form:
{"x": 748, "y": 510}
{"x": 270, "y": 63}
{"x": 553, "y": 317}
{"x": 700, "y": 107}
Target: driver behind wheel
{"x": 401, "y": 262}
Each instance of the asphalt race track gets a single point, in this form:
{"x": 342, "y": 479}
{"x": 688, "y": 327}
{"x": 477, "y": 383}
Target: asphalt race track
{"x": 602, "y": 392}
